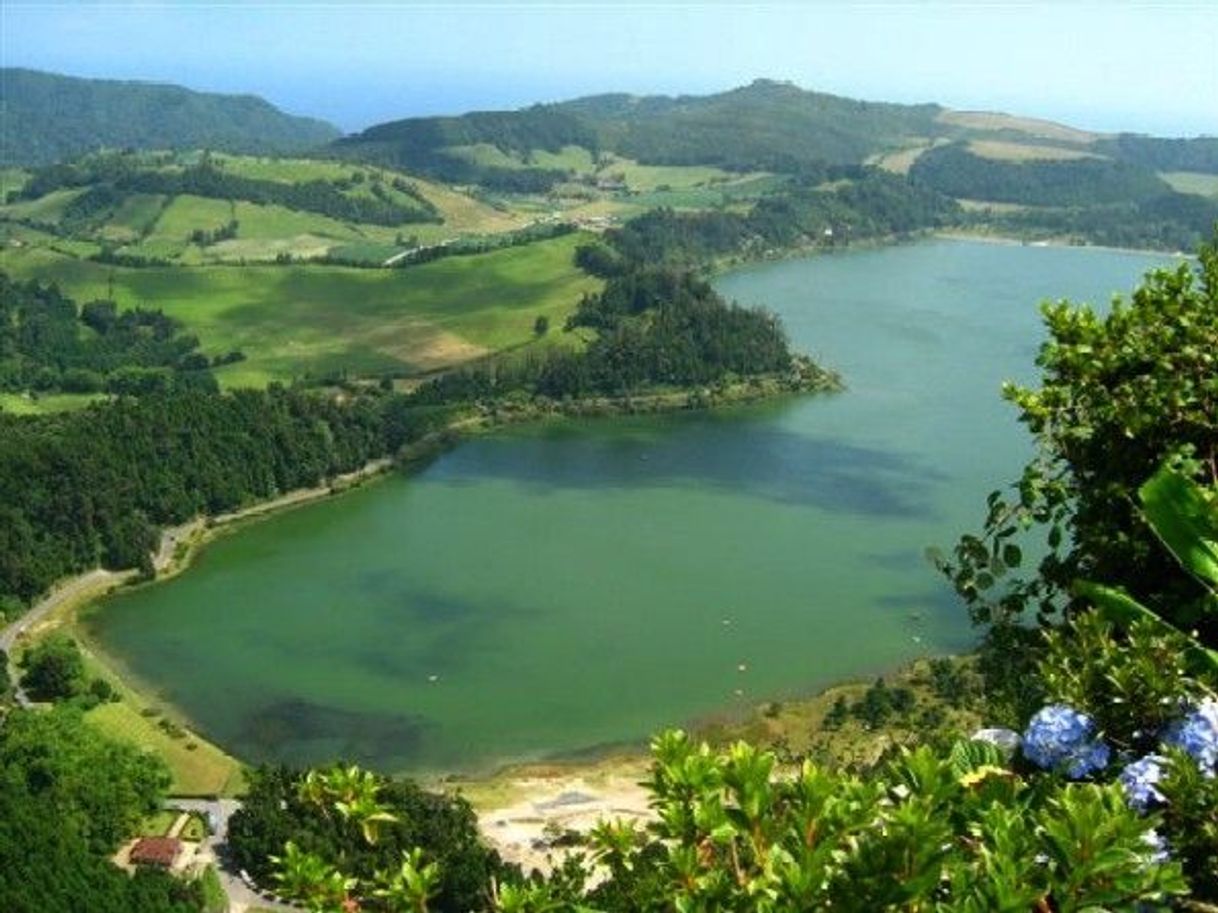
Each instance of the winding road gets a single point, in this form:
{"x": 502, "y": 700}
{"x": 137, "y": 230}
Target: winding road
{"x": 97, "y": 580}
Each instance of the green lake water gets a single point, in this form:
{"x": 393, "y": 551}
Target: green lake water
{"x": 552, "y": 589}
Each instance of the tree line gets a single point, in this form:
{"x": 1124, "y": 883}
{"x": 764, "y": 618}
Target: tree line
{"x": 656, "y": 328}
{"x": 870, "y": 204}
{"x": 110, "y": 177}
{"x": 46, "y": 343}
{"x": 93, "y": 487}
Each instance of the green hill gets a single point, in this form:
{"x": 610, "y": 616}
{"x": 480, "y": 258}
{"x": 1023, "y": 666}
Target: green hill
{"x": 765, "y": 126}
{"x": 48, "y": 118}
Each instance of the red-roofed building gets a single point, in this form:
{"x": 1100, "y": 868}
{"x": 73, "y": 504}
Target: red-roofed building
{"x": 158, "y": 851}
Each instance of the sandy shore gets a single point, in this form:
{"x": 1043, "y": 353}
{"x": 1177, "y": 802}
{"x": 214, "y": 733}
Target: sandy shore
{"x": 522, "y": 809}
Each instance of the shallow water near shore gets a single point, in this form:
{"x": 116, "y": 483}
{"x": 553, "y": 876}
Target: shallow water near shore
{"x": 571, "y": 584}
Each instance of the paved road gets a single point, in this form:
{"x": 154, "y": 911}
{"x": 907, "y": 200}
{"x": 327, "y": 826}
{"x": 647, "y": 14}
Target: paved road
{"x": 93, "y": 580}
{"x": 218, "y": 811}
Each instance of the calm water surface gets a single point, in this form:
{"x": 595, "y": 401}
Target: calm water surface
{"x": 555, "y": 588}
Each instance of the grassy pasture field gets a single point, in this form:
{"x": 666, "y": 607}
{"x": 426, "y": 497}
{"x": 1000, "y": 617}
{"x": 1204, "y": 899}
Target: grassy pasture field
{"x": 1205, "y": 185}
{"x": 995, "y": 121}
{"x": 186, "y": 213}
{"x": 293, "y": 320}
{"x": 47, "y": 209}
{"x": 12, "y": 180}
{"x": 199, "y": 771}
{"x": 133, "y": 217}
{"x": 21, "y": 404}
{"x": 1023, "y": 152}
{"x": 196, "y": 766}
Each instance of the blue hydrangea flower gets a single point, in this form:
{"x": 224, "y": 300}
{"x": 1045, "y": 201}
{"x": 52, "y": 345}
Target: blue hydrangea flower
{"x": 1140, "y": 780}
{"x": 1091, "y": 758}
{"x": 1058, "y": 737}
{"x": 1197, "y": 734}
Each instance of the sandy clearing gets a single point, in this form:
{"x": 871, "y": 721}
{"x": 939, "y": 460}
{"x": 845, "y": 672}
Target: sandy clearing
{"x": 518, "y": 807}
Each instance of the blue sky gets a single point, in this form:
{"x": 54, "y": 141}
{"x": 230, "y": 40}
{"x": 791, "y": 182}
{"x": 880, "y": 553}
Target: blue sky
{"x": 1147, "y": 67}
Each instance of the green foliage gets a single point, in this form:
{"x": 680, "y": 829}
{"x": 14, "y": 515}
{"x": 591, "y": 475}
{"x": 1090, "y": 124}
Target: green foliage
{"x": 960, "y": 833}
{"x": 423, "y": 145}
{"x": 54, "y": 669}
{"x": 332, "y": 849}
{"x": 111, "y": 178}
{"x": 45, "y": 345}
{"x": 767, "y": 126}
{"x": 1121, "y": 394}
{"x": 1132, "y": 681}
{"x": 1102, "y": 201}
{"x": 867, "y": 203}
{"x": 952, "y": 681}
{"x": 655, "y": 328}
{"x": 957, "y": 172}
{"x": 97, "y": 789}
{"x": 48, "y": 118}
{"x": 92, "y": 487}
{"x": 1159, "y": 154}
{"x": 1190, "y": 818}
{"x": 1170, "y": 221}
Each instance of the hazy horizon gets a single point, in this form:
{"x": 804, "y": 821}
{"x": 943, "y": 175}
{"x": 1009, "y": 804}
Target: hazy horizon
{"x": 1104, "y": 67}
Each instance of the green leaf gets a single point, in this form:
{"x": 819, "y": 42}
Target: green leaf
{"x": 1122, "y": 609}
{"x": 1187, "y": 523}
{"x": 967, "y": 756}
{"x": 1011, "y": 555}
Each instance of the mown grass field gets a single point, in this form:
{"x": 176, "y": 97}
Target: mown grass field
{"x": 295, "y": 320}
{"x": 197, "y": 767}
{"x": 1205, "y": 185}
{"x": 21, "y": 404}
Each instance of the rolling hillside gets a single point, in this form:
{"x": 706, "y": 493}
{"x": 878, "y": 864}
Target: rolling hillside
{"x": 49, "y": 117}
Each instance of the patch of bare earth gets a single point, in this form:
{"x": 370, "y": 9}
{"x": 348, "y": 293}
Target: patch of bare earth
{"x": 994, "y": 120}
{"x": 522, "y": 811}
{"x": 423, "y": 345}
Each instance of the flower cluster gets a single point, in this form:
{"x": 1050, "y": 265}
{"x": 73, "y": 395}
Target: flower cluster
{"x": 1058, "y": 737}
{"x": 1197, "y": 735}
{"x": 1140, "y": 781}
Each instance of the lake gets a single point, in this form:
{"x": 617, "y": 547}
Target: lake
{"x": 555, "y": 588}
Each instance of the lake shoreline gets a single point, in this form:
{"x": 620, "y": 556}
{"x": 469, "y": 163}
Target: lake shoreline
{"x": 74, "y": 598}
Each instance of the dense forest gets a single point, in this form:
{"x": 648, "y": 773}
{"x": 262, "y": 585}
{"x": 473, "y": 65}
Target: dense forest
{"x": 1172, "y": 221}
{"x": 92, "y": 487}
{"x": 955, "y": 171}
{"x": 422, "y": 145}
{"x": 48, "y": 118}
{"x": 1163, "y": 154}
{"x": 47, "y": 344}
{"x": 855, "y": 204}
{"x": 68, "y": 798}
{"x": 655, "y": 328}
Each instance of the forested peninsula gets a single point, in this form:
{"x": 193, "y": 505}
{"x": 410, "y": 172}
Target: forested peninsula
{"x": 93, "y": 487}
